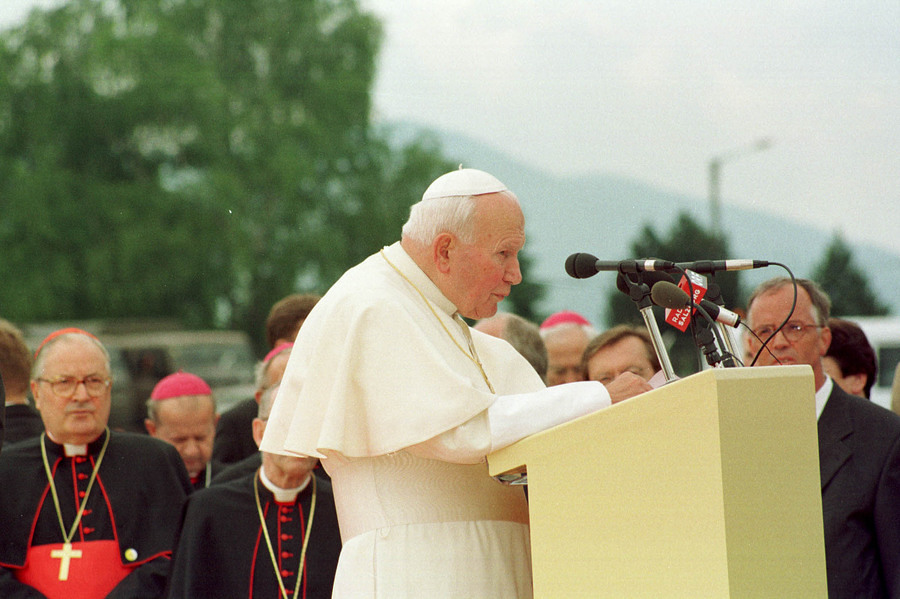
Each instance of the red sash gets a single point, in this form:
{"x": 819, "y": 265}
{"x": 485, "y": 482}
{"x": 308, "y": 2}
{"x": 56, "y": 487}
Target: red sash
{"x": 94, "y": 574}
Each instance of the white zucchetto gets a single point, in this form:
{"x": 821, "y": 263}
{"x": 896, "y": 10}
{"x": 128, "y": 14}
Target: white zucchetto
{"x": 463, "y": 182}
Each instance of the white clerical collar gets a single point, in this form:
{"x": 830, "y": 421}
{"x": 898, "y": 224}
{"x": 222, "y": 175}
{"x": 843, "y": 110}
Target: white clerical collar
{"x": 282, "y": 495}
{"x": 71, "y": 450}
{"x": 822, "y": 396}
{"x": 74, "y": 450}
{"x": 398, "y": 256}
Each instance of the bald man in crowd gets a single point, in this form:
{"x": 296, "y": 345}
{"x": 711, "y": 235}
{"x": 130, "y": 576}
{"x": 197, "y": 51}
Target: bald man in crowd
{"x": 565, "y": 335}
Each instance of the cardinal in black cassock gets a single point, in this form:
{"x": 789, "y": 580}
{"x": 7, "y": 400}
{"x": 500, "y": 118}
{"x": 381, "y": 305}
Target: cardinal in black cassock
{"x": 127, "y": 530}
{"x": 85, "y": 513}
{"x": 223, "y": 550}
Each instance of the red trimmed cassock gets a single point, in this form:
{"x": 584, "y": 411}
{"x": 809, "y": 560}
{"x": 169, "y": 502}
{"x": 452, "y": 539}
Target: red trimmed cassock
{"x": 222, "y": 551}
{"x": 122, "y": 546}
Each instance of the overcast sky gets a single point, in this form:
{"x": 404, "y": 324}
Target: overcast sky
{"x": 653, "y": 89}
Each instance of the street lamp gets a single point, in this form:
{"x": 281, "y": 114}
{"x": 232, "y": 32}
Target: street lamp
{"x": 715, "y": 166}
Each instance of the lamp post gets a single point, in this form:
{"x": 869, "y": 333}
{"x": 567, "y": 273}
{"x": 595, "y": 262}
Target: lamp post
{"x": 715, "y": 168}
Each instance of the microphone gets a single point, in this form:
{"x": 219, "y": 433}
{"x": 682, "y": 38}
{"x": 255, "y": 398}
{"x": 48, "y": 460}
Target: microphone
{"x": 712, "y": 266}
{"x": 582, "y": 265}
{"x": 669, "y": 295}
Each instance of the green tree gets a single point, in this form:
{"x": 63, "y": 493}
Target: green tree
{"x": 686, "y": 241}
{"x": 846, "y": 285}
{"x": 198, "y": 159}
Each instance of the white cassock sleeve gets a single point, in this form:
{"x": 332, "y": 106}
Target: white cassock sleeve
{"x": 511, "y": 418}
{"x": 514, "y": 417}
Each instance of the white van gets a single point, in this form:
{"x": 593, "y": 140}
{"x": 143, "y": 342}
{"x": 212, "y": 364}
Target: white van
{"x": 883, "y": 333}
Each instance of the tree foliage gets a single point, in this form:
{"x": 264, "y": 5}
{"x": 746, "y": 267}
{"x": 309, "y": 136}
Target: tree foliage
{"x": 846, "y": 285}
{"x": 686, "y": 241}
{"x": 196, "y": 158}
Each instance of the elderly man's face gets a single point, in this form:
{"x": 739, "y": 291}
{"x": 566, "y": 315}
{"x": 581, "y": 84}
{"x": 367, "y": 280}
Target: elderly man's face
{"x": 188, "y": 423}
{"x": 806, "y": 346}
{"x": 565, "y": 345}
{"x": 81, "y": 417}
{"x": 483, "y": 273}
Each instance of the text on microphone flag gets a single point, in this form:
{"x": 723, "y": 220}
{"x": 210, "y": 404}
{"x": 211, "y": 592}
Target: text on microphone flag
{"x": 680, "y": 319}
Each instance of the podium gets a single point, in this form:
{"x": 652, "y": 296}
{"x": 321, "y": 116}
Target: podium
{"x": 706, "y": 487}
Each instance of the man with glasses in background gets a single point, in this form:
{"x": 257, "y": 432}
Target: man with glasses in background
{"x": 859, "y": 444}
{"x": 85, "y": 512}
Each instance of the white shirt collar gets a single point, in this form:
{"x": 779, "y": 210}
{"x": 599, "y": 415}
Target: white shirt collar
{"x": 74, "y": 450}
{"x": 282, "y": 495}
{"x": 822, "y": 396}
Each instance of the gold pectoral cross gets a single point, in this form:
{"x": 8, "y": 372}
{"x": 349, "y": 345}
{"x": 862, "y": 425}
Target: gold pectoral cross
{"x": 65, "y": 554}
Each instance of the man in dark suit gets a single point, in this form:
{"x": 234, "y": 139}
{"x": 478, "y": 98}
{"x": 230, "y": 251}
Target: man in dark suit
{"x": 859, "y": 444}
{"x": 22, "y": 420}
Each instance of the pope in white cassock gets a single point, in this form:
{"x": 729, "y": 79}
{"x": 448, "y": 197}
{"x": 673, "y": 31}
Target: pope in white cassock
{"x": 402, "y": 401}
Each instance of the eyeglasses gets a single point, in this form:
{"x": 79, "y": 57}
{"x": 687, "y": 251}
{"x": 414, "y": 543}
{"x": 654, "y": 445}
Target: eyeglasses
{"x": 65, "y": 387}
{"x": 792, "y": 331}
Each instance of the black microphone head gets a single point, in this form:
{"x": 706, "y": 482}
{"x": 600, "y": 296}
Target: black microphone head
{"x": 581, "y": 265}
{"x": 669, "y": 295}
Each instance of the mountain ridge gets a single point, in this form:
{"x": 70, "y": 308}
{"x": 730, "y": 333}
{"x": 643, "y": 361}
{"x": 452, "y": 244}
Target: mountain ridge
{"x": 603, "y": 213}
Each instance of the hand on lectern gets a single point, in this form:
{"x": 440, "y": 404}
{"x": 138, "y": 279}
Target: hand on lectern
{"x": 625, "y": 386}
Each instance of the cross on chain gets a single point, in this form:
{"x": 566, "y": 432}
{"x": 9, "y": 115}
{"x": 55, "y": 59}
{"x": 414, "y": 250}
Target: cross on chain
{"x": 65, "y": 554}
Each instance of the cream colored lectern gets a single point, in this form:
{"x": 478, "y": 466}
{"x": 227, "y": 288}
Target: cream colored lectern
{"x": 706, "y": 487}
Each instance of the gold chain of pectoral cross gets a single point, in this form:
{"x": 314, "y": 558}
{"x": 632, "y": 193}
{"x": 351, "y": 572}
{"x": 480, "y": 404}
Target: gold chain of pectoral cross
{"x": 66, "y": 554}
{"x": 471, "y": 354}
{"x": 265, "y": 531}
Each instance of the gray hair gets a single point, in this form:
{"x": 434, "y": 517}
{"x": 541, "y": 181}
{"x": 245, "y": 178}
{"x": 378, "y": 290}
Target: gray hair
{"x": 526, "y": 338}
{"x": 37, "y": 369}
{"x": 821, "y": 303}
{"x": 266, "y": 401}
{"x": 261, "y": 370}
{"x": 451, "y": 214}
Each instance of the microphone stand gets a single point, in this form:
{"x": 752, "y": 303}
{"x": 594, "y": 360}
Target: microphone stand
{"x": 730, "y": 342}
{"x": 640, "y": 294}
{"x": 706, "y": 338}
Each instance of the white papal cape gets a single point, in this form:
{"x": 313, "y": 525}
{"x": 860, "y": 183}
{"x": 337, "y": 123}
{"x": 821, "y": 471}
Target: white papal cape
{"x": 379, "y": 387}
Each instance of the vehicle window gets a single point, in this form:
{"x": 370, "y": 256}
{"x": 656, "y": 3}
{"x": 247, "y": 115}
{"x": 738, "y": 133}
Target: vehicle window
{"x": 216, "y": 363}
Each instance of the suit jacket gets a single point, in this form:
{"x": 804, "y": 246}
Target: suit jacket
{"x": 22, "y": 422}
{"x": 859, "y": 464}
